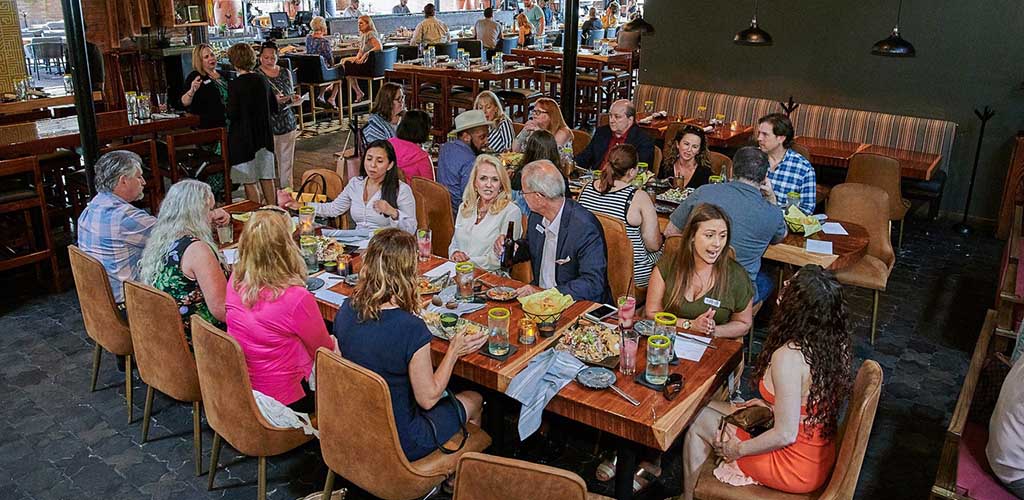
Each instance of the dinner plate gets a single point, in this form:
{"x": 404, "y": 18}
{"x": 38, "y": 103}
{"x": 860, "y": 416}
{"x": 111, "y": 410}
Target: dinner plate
{"x": 497, "y": 292}
{"x": 313, "y": 284}
{"x": 644, "y": 327}
{"x": 596, "y": 377}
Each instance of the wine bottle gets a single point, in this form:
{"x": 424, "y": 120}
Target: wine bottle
{"x": 508, "y": 248}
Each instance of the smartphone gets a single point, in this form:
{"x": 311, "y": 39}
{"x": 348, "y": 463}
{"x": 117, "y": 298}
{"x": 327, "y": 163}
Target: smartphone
{"x": 604, "y": 311}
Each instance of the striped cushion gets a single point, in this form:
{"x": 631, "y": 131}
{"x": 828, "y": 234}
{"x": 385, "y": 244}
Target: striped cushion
{"x": 826, "y": 122}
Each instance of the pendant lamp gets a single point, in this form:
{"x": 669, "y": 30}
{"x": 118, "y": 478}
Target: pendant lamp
{"x": 753, "y": 36}
{"x": 894, "y": 45}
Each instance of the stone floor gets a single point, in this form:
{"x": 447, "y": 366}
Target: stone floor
{"x": 58, "y": 440}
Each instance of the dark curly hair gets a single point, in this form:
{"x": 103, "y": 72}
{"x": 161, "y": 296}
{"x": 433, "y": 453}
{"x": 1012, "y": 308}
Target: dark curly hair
{"x": 812, "y": 316}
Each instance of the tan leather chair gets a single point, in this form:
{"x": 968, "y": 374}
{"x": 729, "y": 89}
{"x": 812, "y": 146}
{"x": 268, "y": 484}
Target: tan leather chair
{"x": 230, "y": 407}
{"x": 851, "y": 442}
{"x": 720, "y": 164}
{"x": 335, "y": 184}
{"x": 522, "y": 271}
{"x": 884, "y": 172}
{"x": 434, "y": 212}
{"x": 163, "y": 356}
{"x": 620, "y": 255}
{"x": 580, "y": 140}
{"x": 821, "y": 190}
{"x": 103, "y": 323}
{"x": 868, "y": 206}
{"x": 518, "y": 127}
{"x": 656, "y": 165}
{"x": 487, "y": 477}
{"x": 371, "y": 456}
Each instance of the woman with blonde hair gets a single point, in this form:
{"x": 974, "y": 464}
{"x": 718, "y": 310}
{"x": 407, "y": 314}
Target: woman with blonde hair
{"x": 358, "y": 65}
{"x": 546, "y": 115}
{"x": 525, "y": 30}
{"x": 378, "y": 329}
{"x": 270, "y": 313}
{"x": 317, "y": 43}
{"x": 485, "y": 213}
{"x": 207, "y": 94}
{"x": 502, "y": 133}
{"x": 181, "y": 257}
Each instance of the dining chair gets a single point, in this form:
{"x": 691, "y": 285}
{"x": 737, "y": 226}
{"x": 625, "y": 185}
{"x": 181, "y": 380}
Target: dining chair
{"x": 868, "y": 206}
{"x": 522, "y": 271}
{"x": 163, "y": 356}
{"x": 720, "y": 164}
{"x": 884, "y": 172}
{"x": 474, "y": 47}
{"x": 549, "y": 72}
{"x": 434, "y": 212}
{"x": 231, "y": 409}
{"x": 104, "y": 323}
{"x": 194, "y": 155}
{"x": 519, "y": 97}
{"x": 594, "y": 89}
{"x": 432, "y": 90}
{"x": 851, "y": 443}
{"x": 335, "y": 184}
{"x": 348, "y": 393}
{"x": 487, "y": 477}
{"x": 405, "y": 79}
{"x": 312, "y": 73}
{"x": 580, "y": 140}
{"x": 657, "y": 160}
{"x": 620, "y": 255}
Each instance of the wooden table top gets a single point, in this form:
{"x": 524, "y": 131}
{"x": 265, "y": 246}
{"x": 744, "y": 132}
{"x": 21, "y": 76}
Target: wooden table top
{"x": 473, "y": 73}
{"x": 913, "y": 164}
{"x": 44, "y": 136}
{"x": 656, "y": 423}
{"x": 720, "y": 137}
{"x": 15, "y": 107}
{"x": 830, "y": 152}
{"x": 582, "y": 54}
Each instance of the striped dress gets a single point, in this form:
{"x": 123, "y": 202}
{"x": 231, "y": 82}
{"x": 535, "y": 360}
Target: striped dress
{"x": 501, "y": 136}
{"x": 615, "y": 204}
{"x": 377, "y": 129}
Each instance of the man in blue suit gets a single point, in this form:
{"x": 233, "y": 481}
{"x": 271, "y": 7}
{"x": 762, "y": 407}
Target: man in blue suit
{"x": 621, "y": 129}
{"x": 562, "y": 240}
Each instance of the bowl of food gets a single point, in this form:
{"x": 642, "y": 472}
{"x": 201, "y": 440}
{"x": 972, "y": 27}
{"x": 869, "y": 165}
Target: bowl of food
{"x": 545, "y": 308}
{"x": 427, "y": 286}
{"x": 501, "y": 293}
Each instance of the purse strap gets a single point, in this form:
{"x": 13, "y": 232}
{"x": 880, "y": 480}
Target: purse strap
{"x": 318, "y": 181}
{"x": 462, "y": 426}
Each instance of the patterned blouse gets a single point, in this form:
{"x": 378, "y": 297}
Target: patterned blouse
{"x": 322, "y": 47}
{"x": 185, "y": 290}
{"x": 283, "y": 121}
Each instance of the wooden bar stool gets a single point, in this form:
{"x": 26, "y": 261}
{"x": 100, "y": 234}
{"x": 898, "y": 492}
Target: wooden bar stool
{"x": 22, "y": 193}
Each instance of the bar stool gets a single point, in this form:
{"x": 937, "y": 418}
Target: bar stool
{"x": 22, "y": 192}
{"x": 312, "y": 73}
{"x": 381, "y": 61}
{"x": 185, "y": 157}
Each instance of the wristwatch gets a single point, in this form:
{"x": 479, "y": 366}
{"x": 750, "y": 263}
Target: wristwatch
{"x": 687, "y": 324}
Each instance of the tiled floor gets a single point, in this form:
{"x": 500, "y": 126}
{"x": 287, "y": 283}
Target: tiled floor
{"x": 58, "y": 440}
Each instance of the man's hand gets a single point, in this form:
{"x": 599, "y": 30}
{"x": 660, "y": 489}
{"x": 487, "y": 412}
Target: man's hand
{"x": 284, "y": 200}
{"x": 768, "y": 192}
{"x": 459, "y": 256}
{"x": 527, "y": 290}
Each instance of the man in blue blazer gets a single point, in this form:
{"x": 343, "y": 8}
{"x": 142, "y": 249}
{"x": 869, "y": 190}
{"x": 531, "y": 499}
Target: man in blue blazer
{"x": 621, "y": 129}
{"x": 563, "y": 241}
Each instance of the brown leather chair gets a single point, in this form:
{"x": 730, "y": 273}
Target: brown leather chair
{"x": 884, "y": 172}
{"x": 372, "y": 457}
{"x": 518, "y": 127}
{"x": 821, "y": 190}
{"x": 580, "y": 140}
{"x": 654, "y": 167}
{"x": 522, "y": 271}
{"x": 230, "y": 407}
{"x": 620, "y": 255}
{"x": 103, "y": 322}
{"x": 487, "y": 477}
{"x": 868, "y": 206}
{"x": 163, "y": 356}
{"x": 720, "y": 164}
{"x": 434, "y": 212}
{"x": 851, "y": 442}
{"x": 335, "y": 184}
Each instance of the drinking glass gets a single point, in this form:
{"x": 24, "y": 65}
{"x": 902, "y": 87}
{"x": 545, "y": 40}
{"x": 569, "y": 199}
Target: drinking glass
{"x": 423, "y": 244}
{"x": 308, "y": 246}
{"x": 716, "y": 179}
{"x": 464, "y": 279}
{"x": 627, "y": 310}
{"x": 497, "y": 324}
{"x": 658, "y": 349}
{"x": 528, "y": 331}
{"x": 21, "y": 89}
{"x": 69, "y": 86}
{"x": 225, "y": 233}
{"x": 306, "y": 215}
{"x": 792, "y": 199}
{"x": 648, "y": 107}
{"x": 161, "y": 102}
{"x": 143, "y": 106}
{"x": 665, "y": 325}
{"x": 630, "y": 340}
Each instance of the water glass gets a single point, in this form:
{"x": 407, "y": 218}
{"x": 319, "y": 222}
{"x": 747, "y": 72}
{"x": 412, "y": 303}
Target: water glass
{"x": 308, "y": 246}
{"x": 665, "y": 325}
{"x": 648, "y": 107}
{"x": 225, "y": 234}
{"x": 423, "y": 244}
{"x": 627, "y": 311}
{"x": 629, "y": 341}
{"x": 69, "y": 85}
{"x": 464, "y": 279}
{"x": 306, "y": 215}
{"x": 21, "y": 89}
{"x": 497, "y": 325}
{"x": 161, "y": 102}
{"x": 143, "y": 106}
{"x": 658, "y": 355}
{"x": 716, "y": 179}
{"x": 528, "y": 331}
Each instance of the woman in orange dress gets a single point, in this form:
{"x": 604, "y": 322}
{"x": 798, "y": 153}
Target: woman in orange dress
{"x": 804, "y": 374}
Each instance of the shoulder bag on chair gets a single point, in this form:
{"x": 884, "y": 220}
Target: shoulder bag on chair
{"x": 450, "y": 398}
{"x": 318, "y": 194}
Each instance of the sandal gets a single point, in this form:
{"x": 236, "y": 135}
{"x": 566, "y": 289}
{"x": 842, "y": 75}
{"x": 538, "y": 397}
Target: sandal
{"x": 645, "y": 474}
{"x": 606, "y": 469}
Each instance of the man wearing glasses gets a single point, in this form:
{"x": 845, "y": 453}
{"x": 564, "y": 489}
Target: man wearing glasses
{"x": 562, "y": 240}
{"x": 621, "y": 129}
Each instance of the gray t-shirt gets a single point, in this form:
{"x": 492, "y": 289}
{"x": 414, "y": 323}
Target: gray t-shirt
{"x": 487, "y": 31}
{"x": 755, "y": 223}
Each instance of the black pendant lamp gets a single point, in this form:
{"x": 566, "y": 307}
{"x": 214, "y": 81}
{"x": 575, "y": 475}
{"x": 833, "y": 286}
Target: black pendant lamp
{"x": 894, "y": 45}
{"x": 638, "y": 25}
{"x": 753, "y": 36}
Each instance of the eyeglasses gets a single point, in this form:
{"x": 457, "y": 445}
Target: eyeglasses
{"x": 532, "y": 192}
{"x": 537, "y": 111}
{"x": 673, "y": 386}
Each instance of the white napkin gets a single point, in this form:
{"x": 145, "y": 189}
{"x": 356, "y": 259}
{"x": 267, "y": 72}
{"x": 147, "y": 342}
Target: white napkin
{"x": 819, "y": 246}
{"x": 833, "y": 228}
{"x": 230, "y": 256}
{"x": 441, "y": 270}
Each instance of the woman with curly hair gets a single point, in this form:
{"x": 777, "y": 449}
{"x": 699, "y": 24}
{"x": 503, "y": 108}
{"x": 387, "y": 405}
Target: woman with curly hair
{"x": 687, "y": 159}
{"x": 378, "y": 329}
{"x": 804, "y": 374}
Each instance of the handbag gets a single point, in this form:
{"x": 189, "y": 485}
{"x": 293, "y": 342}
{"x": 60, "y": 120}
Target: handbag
{"x": 319, "y": 193}
{"x": 462, "y": 424}
{"x": 755, "y": 420}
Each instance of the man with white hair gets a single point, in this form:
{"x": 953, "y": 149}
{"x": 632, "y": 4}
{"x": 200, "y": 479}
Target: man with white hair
{"x": 621, "y": 129}
{"x": 562, "y": 240}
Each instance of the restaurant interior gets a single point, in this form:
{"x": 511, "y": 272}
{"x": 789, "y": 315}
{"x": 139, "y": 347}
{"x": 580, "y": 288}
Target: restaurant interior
{"x": 567, "y": 249}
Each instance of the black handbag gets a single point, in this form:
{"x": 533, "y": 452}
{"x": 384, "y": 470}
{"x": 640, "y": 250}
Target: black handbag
{"x": 319, "y": 192}
{"x": 462, "y": 424}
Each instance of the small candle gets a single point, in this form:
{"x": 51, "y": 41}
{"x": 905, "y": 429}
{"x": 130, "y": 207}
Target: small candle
{"x": 527, "y": 331}
{"x": 735, "y": 125}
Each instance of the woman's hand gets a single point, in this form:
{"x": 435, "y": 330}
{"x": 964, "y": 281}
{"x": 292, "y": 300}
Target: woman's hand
{"x": 728, "y": 447}
{"x": 194, "y": 87}
{"x": 385, "y": 208}
{"x": 459, "y": 256}
{"x": 282, "y": 99}
{"x": 531, "y": 126}
{"x": 284, "y": 200}
{"x": 527, "y": 290}
{"x": 219, "y": 217}
{"x": 706, "y": 322}
{"x": 462, "y": 345}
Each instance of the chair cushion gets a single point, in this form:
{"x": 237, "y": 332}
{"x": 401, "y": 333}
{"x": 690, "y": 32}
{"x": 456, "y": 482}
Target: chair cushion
{"x": 440, "y": 463}
{"x": 973, "y": 472}
{"x": 869, "y": 272}
{"x": 518, "y": 93}
{"x": 929, "y": 188}
{"x": 710, "y": 488}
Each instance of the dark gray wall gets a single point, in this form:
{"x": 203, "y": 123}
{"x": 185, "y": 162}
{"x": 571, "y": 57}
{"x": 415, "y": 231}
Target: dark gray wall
{"x": 970, "y": 54}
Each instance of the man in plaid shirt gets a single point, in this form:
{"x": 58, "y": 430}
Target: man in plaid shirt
{"x": 788, "y": 171}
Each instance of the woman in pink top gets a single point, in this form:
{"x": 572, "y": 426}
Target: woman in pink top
{"x": 270, "y": 313}
{"x": 413, "y": 130}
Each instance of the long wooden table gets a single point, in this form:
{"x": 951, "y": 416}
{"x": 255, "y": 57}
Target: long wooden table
{"x": 721, "y": 137}
{"x": 611, "y": 58}
{"x": 656, "y": 423}
{"x": 15, "y": 107}
{"x": 44, "y": 136}
{"x": 828, "y": 152}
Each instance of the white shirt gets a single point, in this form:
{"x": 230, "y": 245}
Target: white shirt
{"x": 547, "y": 259}
{"x": 351, "y": 12}
{"x": 429, "y": 31}
{"x": 1005, "y": 448}
{"x": 477, "y": 240}
{"x": 351, "y": 200}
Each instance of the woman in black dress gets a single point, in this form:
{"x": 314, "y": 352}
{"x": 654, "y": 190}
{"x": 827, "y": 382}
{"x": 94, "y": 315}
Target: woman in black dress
{"x": 250, "y": 137}
{"x": 687, "y": 161}
{"x": 207, "y": 93}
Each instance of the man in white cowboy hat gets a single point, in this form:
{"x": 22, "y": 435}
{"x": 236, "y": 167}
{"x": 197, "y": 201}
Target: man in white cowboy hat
{"x": 455, "y": 162}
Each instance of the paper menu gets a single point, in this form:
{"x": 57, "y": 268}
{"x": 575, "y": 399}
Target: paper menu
{"x": 690, "y": 351}
{"x": 441, "y": 270}
{"x": 230, "y": 256}
{"x": 833, "y": 228}
{"x": 819, "y": 246}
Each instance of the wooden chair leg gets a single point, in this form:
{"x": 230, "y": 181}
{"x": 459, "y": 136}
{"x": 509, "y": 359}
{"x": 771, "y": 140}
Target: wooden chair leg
{"x": 146, "y": 412}
{"x": 874, "y": 317}
{"x": 95, "y": 366}
{"x": 128, "y": 385}
{"x": 214, "y": 456}
{"x": 328, "y": 485}
{"x": 899, "y": 244}
{"x": 261, "y": 478}
{"x": 197, "y": 437}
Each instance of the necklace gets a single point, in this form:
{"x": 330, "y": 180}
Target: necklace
{"x": 705, "y": 284}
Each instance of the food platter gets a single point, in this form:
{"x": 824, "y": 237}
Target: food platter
{"x": 462, "y": 326}
{"x": 501, "y": 293}
{"x": 675, "y": 195}
{"x": 427, "y": 286}
{"x": 591, "y": 343}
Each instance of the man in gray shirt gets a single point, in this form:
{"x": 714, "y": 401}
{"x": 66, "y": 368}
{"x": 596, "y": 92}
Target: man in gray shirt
{"x": 401, "y": 8}
{"x": 487, "y": 30}
{"x": 755, "y": 223}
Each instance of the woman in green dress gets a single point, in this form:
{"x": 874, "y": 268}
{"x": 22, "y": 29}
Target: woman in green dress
{"x": 181, "y": 257}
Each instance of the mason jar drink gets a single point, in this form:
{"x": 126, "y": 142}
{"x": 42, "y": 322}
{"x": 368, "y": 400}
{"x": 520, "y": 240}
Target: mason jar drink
{"x": 665, "y": 325}
{"x": 658, "y": 348}
{"x": 464, "y": 279}
{"x": 497, "y": 326}
{"x": 306, "y": 216}
{"x": 308, "y": 246}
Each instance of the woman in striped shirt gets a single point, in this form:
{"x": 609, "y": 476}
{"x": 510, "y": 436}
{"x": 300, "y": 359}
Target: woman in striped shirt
{"x": 501, "y": 136}
{"x": 386, "y": 113}
{"x": 614, "y": 196}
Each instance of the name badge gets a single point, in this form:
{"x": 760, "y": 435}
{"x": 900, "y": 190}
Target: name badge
{"x": 539, "y": 229}
{"x": 712, "y": 302}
